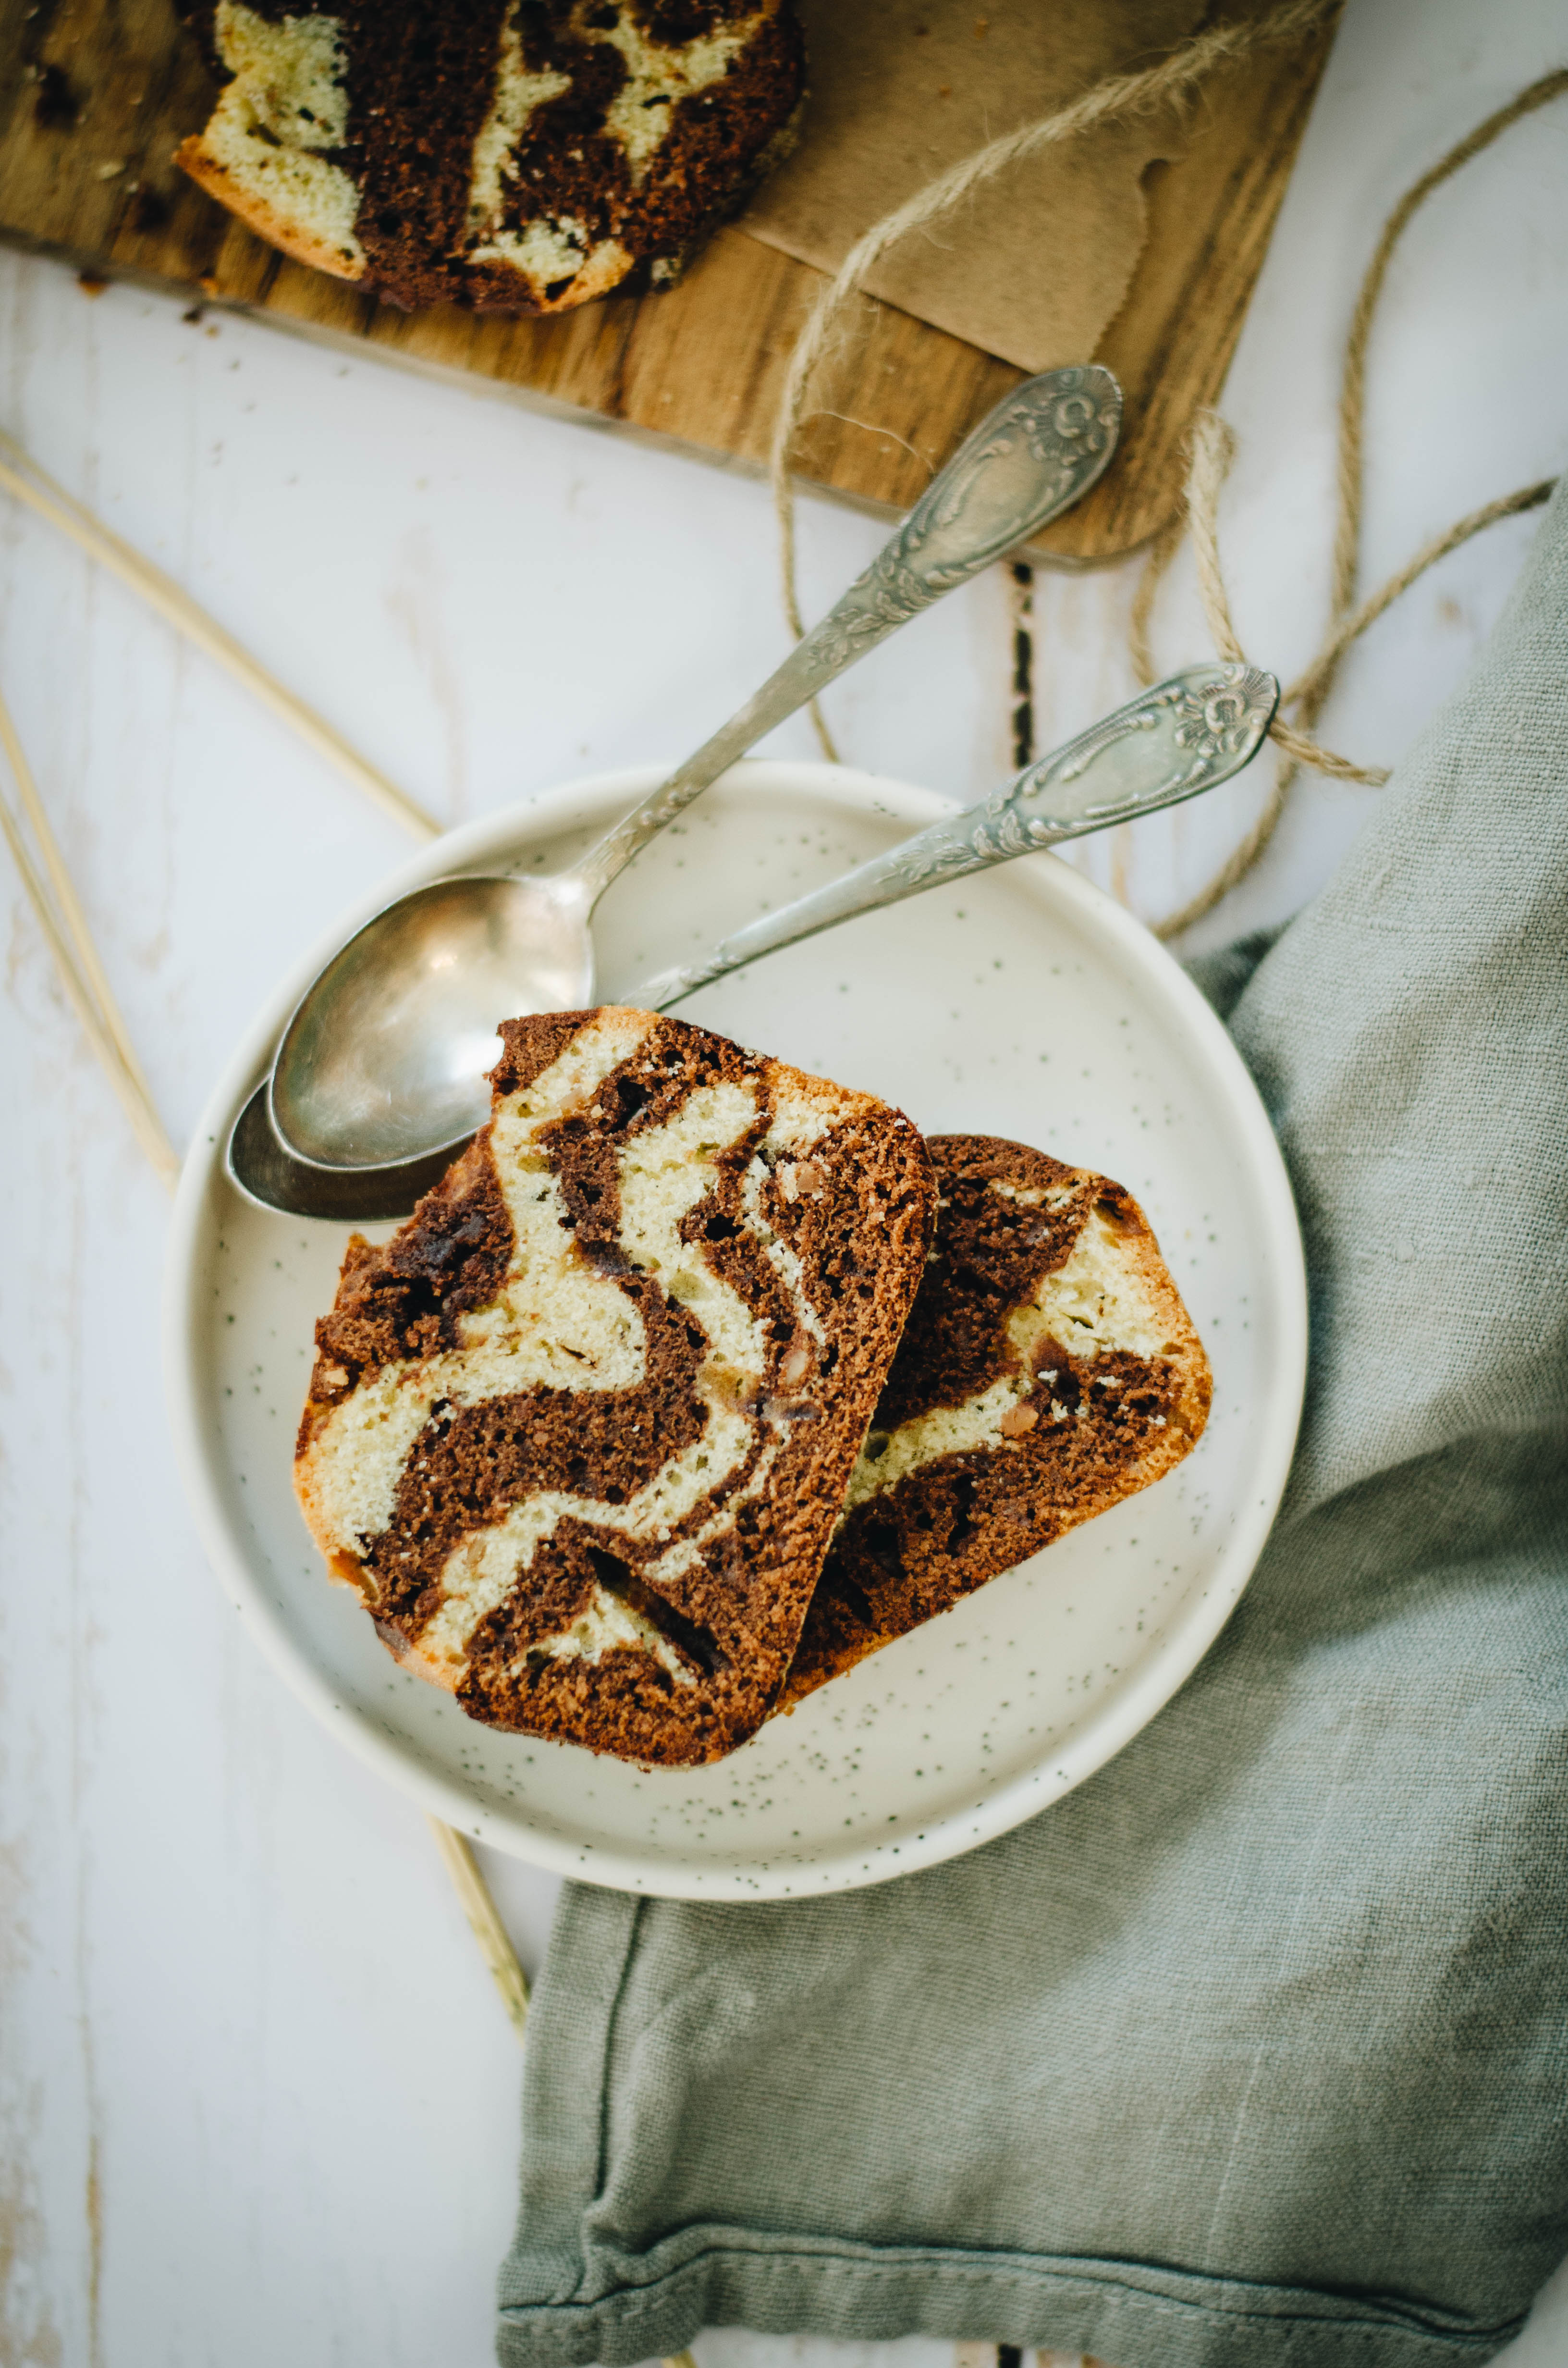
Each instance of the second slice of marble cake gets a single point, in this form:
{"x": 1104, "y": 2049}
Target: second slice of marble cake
{"x": 579, "y": 1433}
{"x": 1049, "y": 1369}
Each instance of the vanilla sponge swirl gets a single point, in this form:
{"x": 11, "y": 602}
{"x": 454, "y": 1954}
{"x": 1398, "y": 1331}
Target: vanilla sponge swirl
{"x": 579, "y": 1433}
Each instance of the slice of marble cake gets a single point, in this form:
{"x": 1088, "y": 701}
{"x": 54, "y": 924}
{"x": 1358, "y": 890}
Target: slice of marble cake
{"x": 1047, "y": 1370}
{"x": 579, "y": 1433}
{"x": 514, "y": 156}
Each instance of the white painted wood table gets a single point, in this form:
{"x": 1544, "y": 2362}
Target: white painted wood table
{"x": 258, "y": 2097}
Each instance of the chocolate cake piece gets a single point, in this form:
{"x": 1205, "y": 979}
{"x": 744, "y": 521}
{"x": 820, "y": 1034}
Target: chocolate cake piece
{"x": 579, "y": 1433}
{"x": 515, "y": 156}
{"x": 1047, "y": 1370}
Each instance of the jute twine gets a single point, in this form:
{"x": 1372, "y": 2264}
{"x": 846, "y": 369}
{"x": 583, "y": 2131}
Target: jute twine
{"x": 1115, "y": 99}
{"x": 1213, "y": 447}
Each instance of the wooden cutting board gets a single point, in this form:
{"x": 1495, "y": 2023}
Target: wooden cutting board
{"x": 94, "y": 95}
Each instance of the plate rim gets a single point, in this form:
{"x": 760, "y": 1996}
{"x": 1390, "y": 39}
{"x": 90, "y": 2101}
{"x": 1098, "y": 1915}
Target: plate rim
{"x": 567, "y": 805}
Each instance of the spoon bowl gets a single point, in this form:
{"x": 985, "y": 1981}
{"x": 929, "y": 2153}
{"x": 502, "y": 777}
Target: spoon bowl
{"x": 385, "y": 1059}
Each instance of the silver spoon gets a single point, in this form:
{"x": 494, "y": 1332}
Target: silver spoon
{"x": 1195, "y": 728}
{"x": 383, "y": 1060}
{"x": 1188, "y": 733}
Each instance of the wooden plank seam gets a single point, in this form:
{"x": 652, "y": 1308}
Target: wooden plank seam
{"x": 61, "y": 917}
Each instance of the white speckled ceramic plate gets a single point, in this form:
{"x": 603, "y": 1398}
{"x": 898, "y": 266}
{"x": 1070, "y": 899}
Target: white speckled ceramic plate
{"x": 1024, "y": 1003}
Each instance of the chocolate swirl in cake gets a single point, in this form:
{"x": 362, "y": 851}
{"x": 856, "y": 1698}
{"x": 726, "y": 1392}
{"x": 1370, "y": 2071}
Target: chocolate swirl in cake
{"x": 1047, "y": 1370}
{"x": 517, "y": 155}
{"x": 579, "y": 1433}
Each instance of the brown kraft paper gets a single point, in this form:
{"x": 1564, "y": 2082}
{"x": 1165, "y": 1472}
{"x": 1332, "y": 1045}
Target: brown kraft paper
{"x": 1033, "y": 267}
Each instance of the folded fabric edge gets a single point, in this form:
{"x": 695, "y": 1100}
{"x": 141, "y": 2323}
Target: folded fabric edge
{"x": 1115, "y": 2310}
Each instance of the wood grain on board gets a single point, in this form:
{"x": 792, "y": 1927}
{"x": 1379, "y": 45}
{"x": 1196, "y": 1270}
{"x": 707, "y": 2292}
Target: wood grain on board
{"x": 94, "y": 95}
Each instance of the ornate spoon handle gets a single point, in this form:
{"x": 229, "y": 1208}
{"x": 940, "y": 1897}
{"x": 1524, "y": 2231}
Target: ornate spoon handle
{"x": 1031, "y": 458}
{"x": 1189, "y": 732}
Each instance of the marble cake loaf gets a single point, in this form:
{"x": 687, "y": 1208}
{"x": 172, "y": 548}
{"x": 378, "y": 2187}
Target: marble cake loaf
{"x": 579, "y": 1433}
{"x": 515, "y": 156}
{"x": 1047, "y": 1370}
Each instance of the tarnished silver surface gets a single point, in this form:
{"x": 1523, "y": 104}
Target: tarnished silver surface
{"x": 1030, "y": 459}
{"x": 1189, "y": 732}
{"x": 385, "y": 1059}
{"x": 1182, "y": 736}
{"x": 383, "y": 1062}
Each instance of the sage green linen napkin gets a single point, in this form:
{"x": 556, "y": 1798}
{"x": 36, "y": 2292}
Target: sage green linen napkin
{"x": 1255, "y": 2049}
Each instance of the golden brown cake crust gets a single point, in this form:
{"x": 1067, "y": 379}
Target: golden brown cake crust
{"x": 537, "y": 1556}
{"x": 1051, "y": 1405}
{"x": 291, "y": 237}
